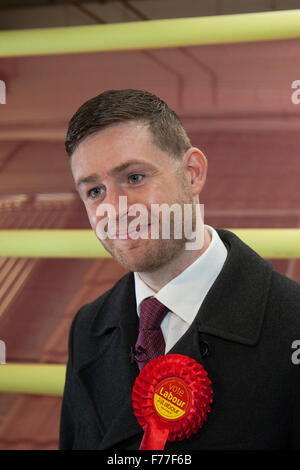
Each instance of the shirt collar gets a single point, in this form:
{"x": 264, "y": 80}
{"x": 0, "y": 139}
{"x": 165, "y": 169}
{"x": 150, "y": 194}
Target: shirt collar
{"x": 184, "y": 294}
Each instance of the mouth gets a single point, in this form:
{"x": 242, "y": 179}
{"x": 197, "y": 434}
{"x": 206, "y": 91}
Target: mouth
{"x": 132, "y": 234}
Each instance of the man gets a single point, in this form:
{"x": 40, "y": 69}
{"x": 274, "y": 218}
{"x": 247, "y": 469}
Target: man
{"x": 224, "y": 306}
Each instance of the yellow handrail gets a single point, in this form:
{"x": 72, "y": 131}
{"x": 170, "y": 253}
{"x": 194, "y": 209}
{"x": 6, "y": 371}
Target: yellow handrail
{"x": 82, "y": 243}
{"x": 154, "y": 34}
{"x": 40, "y": 379}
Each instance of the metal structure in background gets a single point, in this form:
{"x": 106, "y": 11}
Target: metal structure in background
{"x": 48, "y": 379}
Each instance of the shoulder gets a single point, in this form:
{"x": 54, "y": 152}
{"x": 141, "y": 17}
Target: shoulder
{"x": 261, "y": 281}
{"x": 285, "y": 293}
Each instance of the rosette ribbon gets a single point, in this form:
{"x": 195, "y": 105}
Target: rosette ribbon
{"x": 171, "y": 398}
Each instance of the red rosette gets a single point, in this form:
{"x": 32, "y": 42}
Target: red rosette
{"x": 171, "y": 398}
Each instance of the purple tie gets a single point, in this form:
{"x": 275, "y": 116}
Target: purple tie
{"x": 150, "y": 343}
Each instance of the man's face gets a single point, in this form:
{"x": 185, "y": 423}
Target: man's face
{"x": 121, "y": 160}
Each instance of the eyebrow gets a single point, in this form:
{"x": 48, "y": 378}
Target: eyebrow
{"x": 93, "y": 178}
{"x": 87, "y": 179}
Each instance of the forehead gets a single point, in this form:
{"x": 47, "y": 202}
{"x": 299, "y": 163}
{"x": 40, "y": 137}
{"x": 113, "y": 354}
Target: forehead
{"x": 113, "y": 146}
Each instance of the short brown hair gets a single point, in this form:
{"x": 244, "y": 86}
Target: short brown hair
{"x": 115, "y": 106}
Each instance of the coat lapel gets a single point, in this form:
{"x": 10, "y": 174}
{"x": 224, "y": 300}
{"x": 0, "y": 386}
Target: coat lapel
{"x": 109, "y": 377}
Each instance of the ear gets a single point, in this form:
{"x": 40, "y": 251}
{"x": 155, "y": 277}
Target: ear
{"x": 195, "y": 167}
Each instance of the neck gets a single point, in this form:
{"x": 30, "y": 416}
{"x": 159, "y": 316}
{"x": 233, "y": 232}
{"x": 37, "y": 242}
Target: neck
{"x": 161, "y": 276}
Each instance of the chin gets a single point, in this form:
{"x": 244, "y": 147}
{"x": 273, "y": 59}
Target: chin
{"x": 146, "y": 257}
{"x": 137, "y": 265}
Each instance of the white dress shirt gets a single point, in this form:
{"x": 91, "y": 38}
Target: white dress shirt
{"x": 184, "y": 294}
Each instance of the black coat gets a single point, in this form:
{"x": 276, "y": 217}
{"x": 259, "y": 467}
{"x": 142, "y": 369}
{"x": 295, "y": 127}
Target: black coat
{"x": 242, "y": 335}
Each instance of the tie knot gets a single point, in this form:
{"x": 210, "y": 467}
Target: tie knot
{"x": 152, "y": 313}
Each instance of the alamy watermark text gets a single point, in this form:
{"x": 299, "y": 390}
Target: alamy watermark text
{"x": 2, "y": 92}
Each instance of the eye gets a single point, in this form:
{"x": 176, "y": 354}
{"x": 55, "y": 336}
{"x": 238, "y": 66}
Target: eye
{"x": 94, "y": 193}
{"x": 135, "y": 178}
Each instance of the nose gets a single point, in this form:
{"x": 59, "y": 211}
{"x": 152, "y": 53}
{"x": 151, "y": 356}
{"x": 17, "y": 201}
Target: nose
{"x": 111, "y": 212}
{"x": 112, "y": 198}
{"x": 117, "y": 202}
